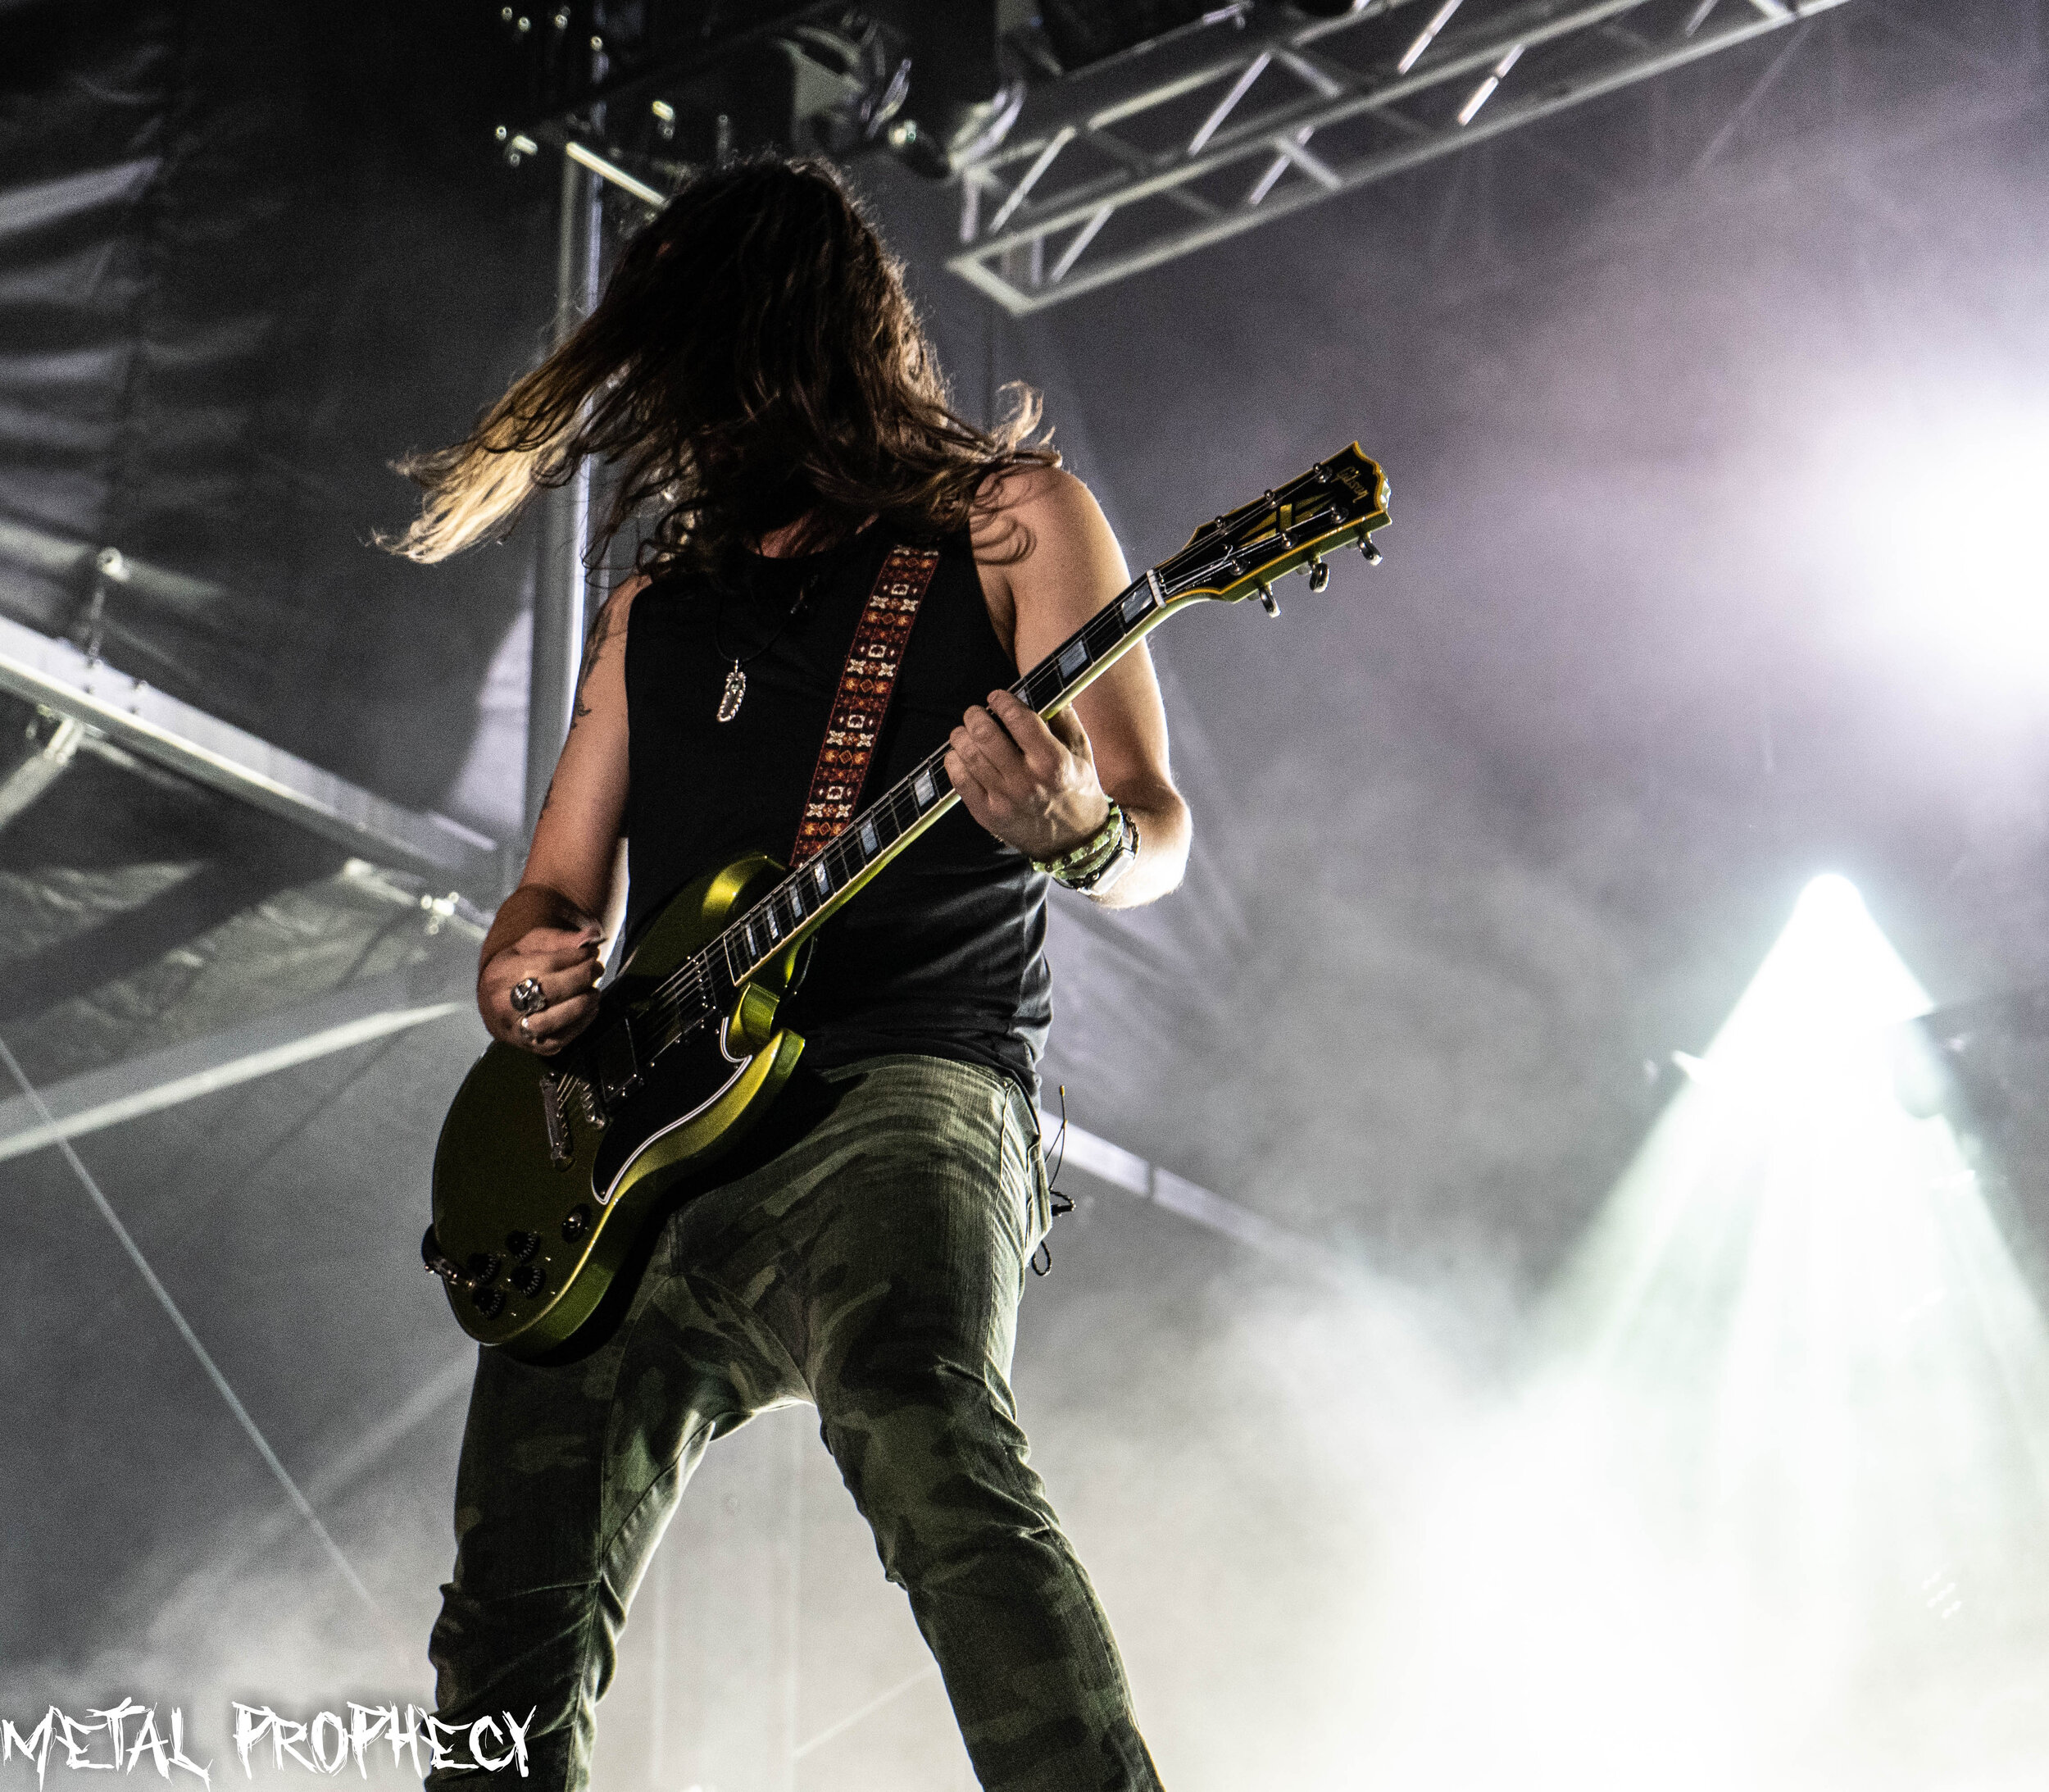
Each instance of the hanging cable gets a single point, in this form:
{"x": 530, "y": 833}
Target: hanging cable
{"x": 185, "y": 1330}
{"x": 1056, "y": 1203}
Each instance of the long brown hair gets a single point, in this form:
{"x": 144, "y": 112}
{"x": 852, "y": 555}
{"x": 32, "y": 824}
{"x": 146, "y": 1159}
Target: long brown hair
{"x": 754, "y": 360}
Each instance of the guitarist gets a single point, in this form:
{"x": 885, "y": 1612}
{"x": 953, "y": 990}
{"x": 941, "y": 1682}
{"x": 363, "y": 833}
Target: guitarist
{"x": 759, "y": 380}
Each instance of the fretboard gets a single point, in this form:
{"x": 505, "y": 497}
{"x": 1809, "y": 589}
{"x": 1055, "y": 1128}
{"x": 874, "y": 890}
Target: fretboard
{"x": 799, "y": 905}
{"x": 796, "y": 906}
{"x": 1338, "y": 502}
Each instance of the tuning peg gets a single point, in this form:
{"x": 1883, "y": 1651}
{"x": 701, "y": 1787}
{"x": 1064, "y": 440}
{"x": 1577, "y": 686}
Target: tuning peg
{"x": 1368, "y": 552}
{"x": 1268, "y": 601}
{"x": 1318, "y": 574}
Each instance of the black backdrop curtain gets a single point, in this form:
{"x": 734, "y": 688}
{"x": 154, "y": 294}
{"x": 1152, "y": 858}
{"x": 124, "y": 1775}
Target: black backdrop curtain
{"x": 247, "y": 254}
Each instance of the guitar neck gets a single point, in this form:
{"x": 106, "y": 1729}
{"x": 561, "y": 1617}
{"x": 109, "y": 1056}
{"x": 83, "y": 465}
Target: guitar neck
{"x": 1340, "y": 500}
{"x": 816, "y": 891}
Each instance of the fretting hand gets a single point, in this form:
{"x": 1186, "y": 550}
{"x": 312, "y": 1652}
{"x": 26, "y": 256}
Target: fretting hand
{"x": 1031, "y": 783}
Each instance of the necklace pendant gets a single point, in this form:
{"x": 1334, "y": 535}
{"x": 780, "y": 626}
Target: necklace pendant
{"x": 735, "y": 694}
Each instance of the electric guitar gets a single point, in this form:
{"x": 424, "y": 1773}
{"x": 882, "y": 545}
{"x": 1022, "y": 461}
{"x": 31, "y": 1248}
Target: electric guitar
{"x": 552, "y": 1174}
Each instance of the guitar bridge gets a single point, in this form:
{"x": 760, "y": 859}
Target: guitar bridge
{"x": 561, "y": 1146}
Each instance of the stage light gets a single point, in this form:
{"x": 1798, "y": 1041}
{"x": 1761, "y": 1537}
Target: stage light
{"x": 1976, "y": 556}
{"x": 959, "y": 106}
{"x": 1937, "y": 521}
{"x": 1775, "y": 1511}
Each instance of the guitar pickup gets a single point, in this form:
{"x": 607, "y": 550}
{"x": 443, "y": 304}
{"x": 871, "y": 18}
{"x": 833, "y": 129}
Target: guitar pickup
{"x": 561, "y": 1146}
{"x": 616, "y": 1064}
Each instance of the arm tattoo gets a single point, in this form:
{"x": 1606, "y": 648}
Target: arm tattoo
{"x": 600, "y": 629}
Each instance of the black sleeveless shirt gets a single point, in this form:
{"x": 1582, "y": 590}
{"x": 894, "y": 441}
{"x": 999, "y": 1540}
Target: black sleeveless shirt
{"x": 944, "y": 953}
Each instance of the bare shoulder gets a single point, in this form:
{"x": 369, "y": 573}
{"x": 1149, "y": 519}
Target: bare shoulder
{"x": 1021, "y": 507}
{"x": 610, "y": 615}
{"x": 605, "y": 652}
{"x": 1047, "y": 558}
{"x": 606, "y": 629}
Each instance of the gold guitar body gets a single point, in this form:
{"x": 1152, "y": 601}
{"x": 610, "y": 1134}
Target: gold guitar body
{"x": 538, "y": 1214}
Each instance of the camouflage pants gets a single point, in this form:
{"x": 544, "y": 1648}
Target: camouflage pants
{"x": 874, "y": 1268}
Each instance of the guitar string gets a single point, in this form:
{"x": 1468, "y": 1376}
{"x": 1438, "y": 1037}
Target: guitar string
{"x": 932, "y": 768}
{"x": 694, "y": 982}
{"x": 671, "y": 995}
{"x": 1107, "y": 629}
{"x": 889, "y": 804}
{"x": 694, "y": 977}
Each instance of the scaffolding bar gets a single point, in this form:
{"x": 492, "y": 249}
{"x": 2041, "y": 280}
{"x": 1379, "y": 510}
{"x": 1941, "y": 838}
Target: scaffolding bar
{"x": 97, "y": 1099}
{"x": 1274, "y": 95}
{"x": 1073, "y": 1149}
{"x": 561, "y": 578}
{"x": 58, "y": 677}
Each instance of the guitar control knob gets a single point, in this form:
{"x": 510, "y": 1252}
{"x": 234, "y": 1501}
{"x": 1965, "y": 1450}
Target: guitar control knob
{"x": 576, "y": 1225}
{"x": 483, "y": 1267}
{"x": 487, "y": 1301}
{"x": 529, "y": 1279}
{"x": 522, "y": 1245}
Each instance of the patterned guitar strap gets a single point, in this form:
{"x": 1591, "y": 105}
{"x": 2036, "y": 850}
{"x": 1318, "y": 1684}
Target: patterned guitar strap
{"x": 865, "y": 682}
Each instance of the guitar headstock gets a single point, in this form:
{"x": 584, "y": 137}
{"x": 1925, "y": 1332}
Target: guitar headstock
{"x": 1296, "y": 526}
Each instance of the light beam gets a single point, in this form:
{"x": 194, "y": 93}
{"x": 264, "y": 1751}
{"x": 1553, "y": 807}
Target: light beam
{"x": 1775, "y": 1511}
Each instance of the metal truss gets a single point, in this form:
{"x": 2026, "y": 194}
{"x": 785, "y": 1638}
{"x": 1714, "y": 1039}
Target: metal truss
{"x": 1295, "y": 116}
{"x": 278, "y": 1041}
{"x": 103, "y": 707}
{"x": 1111, "y": 1164}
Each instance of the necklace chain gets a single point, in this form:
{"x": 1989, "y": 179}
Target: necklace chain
{"x": 735, "y": 692}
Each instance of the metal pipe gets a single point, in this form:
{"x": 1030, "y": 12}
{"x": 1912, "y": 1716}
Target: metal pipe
{"x": 560, "y": 577}
{"x": 611, "y": 170}
{"x": 120, "y": 712}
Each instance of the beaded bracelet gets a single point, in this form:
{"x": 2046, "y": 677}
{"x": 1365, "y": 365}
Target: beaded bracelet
{"x": 1079, "y": 860}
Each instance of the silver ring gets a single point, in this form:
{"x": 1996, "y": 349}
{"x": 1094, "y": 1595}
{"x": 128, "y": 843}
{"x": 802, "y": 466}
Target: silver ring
{"x": 526, "y": 1024}
{"x": 528, "y": 996}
